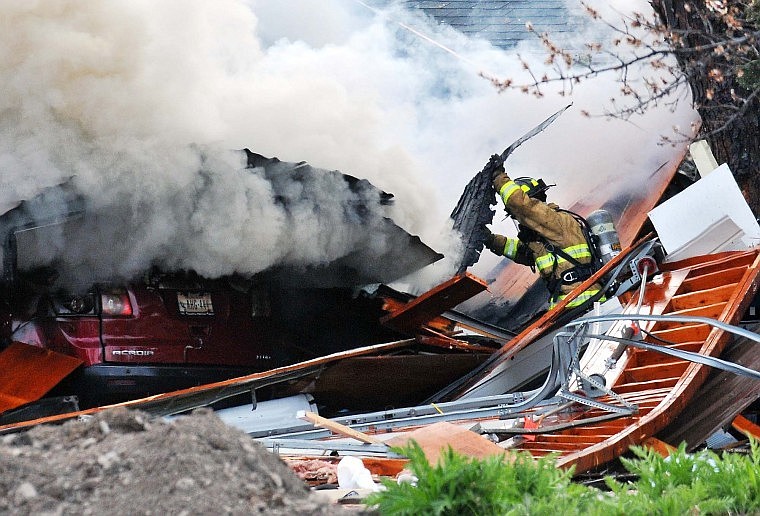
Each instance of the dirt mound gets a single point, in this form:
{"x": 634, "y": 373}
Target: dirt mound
{"x": 124, "y": 462}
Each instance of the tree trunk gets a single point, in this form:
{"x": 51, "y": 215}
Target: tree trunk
{"x": 738, "y": 145}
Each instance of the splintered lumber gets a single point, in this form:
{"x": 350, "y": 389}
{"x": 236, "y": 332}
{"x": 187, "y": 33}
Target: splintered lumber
{"x": 434, "y": 302}
{"x": 442, "y": 341}
{"x": 29, "y": 372}
{"x": 336, "y": 427}
{"x": 170, "y": 403}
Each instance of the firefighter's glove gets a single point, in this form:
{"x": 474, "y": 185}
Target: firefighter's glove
{"x": 500, "y": 180}
{"x": 495, "y": 165}
{"x": 496, "y": 244}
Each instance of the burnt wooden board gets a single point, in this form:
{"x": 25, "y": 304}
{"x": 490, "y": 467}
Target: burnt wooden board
{"x": 362, "y": 384}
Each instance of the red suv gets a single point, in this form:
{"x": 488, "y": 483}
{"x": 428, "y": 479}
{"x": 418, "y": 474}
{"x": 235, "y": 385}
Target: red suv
{"x": 152, "y": 336}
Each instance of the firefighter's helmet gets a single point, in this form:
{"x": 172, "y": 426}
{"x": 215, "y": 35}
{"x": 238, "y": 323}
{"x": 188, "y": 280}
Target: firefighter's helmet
{"x": 533, "y": 188}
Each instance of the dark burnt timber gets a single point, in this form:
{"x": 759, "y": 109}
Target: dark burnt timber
{"x": 720, "y": 399}
{"x": 471, "y": 215}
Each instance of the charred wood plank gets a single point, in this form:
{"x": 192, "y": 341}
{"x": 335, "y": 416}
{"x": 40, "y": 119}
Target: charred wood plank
{"x": 473, "y": 211}
{"x": 471, "y": 215}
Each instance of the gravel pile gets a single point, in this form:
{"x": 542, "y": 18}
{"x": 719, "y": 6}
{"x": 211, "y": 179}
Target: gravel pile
{"x": 123, "y": 462}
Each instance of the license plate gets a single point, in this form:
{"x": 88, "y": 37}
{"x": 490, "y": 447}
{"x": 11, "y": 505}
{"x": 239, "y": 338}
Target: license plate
{"x": 194, "y": 303}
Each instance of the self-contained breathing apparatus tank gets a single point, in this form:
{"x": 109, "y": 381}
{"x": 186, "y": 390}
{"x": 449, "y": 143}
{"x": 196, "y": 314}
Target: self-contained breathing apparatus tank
{"x": 604, "y": 234}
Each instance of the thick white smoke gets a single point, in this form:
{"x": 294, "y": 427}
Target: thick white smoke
{"x": 121, "y": 95}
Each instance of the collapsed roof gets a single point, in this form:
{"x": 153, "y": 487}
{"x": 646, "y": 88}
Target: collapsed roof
{"x": 392, "y": 253}
{"x": 37, "y": 230}
{"x": 503, "y": 22}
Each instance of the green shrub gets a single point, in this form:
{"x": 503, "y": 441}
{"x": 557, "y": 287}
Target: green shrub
{"x": 699, "y": 483}
{"x": 683, "y": 483}
{"x": 460, "y": 485}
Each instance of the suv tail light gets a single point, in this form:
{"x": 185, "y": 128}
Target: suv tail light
{"x": 115, "y": 303}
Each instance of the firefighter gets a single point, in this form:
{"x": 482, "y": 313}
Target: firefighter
{"x": 549, "y": 239}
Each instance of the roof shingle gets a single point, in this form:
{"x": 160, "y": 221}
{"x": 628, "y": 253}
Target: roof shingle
{"x": 501, "y": 22}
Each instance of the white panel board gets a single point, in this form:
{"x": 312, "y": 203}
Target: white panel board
{"x": 700, "y": 209}
{"x": 724, "y": 235}
{"x": 703, "y": 157}
{"x": 268, "y": 415}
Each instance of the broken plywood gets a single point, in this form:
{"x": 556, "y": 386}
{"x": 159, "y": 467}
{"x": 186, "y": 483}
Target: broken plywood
{"x": 337, "y": 428}
{"x": 29, "y": 372}
{"x": 435, "y": 439}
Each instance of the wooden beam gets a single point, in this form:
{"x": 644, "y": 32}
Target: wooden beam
{"x": 703, "y": 157}
{"x": 442, "y": 341}
{"x": 434, "y": 302}
{"x": 337, "y": 428}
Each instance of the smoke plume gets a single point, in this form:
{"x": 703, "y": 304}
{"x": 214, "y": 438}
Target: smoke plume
{"x": 138, "y": 104}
